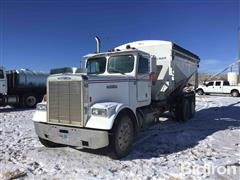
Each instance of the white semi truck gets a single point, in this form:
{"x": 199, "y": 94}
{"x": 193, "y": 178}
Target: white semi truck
{"x": 123, "y": 91}
{"x": 22, "y": 88}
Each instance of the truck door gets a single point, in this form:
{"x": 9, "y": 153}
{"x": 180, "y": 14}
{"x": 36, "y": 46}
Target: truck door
{"x": 225, "y": 87}
{"x": 143, "y": 82}
{"x": 210, "y": 87}
{"x": 3, "y": 82}
{"x": 218, "y": 87}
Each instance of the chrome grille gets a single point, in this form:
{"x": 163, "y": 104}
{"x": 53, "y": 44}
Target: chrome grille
{"x": 65, "y": 102}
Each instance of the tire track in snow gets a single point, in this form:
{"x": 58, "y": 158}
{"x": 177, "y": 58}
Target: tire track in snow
{"x": 201, "y": 100}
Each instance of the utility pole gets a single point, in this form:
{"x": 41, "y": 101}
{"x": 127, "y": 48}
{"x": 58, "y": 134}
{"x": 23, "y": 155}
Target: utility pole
{"x": 238, "y": 54}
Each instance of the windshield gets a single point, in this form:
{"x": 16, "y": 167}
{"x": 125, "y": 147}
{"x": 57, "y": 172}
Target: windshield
{"x": 96, "y": 65}
{"x": 121, "y": 64}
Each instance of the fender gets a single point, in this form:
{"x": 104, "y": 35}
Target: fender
{"x": 41, "y": 113}
{"x": 95, "y": 122}
{"x": 40, "y": 116}
{"x": 106, "y": 123}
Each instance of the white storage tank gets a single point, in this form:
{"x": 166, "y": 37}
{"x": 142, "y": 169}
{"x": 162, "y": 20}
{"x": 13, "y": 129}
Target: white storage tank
{"x": 233, "y": 78}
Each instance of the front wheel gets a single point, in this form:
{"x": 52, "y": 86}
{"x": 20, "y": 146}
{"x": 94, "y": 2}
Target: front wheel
{"x": 122, "y": 137}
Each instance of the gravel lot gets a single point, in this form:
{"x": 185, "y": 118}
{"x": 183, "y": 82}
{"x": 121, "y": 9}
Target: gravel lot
{"x": 207, "y": 146}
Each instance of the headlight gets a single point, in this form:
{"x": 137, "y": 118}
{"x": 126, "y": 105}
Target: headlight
{"x": 44, "y": 98}
{"x": 42, "y": 107}
{"x": 99, "y": 112}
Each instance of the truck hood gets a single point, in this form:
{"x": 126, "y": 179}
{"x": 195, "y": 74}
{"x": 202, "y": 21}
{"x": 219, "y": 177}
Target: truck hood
{"x": 201, "y": 86}
{"x": 98, "y": 78}
{"x": 107, "y": 78}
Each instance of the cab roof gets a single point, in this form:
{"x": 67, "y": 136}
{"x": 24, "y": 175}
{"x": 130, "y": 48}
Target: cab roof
{"x": 116, "y": 52}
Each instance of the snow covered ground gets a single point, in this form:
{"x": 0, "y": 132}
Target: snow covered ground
{"x": 207, "y": 146}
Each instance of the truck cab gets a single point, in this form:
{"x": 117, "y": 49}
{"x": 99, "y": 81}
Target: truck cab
{"x": 104, "y": 100}
{"x": 126, "y": 75}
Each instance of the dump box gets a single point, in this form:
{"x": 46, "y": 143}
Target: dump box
{"x": 175, "y": 65}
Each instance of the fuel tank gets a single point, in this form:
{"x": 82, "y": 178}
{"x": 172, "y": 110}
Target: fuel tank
{"x": 25, "y": 78}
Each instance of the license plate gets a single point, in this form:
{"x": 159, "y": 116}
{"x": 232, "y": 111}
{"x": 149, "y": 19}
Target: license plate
{"x": 64, "y": 136}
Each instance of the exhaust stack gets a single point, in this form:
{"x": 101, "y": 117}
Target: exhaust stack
{"x": 98, "y": 44}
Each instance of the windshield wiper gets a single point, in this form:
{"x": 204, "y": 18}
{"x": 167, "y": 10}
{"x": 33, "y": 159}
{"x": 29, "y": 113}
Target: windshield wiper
{"x": 116, "y": 70}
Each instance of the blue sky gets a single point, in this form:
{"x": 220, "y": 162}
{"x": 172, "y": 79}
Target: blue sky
{"x": 41, "y": 35}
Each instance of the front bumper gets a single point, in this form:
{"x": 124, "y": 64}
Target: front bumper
{"x": 72, "y": 136}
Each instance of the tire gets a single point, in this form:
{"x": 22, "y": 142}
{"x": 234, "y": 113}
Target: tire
{"x": 122, "y": 137}
{"x": 182, "y": 112}
{"x": 186, "y": 110}
{"x": 235, "y": 93}
{"x": 49, "y": 144}
{"x": 30, "y": 101}
{"x": 200, "y": 92}
{"x": 192, "y": 103}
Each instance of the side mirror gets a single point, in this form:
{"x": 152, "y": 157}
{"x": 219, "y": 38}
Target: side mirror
{"x": 153, "y": 65}
{"x": 153, "y": 68}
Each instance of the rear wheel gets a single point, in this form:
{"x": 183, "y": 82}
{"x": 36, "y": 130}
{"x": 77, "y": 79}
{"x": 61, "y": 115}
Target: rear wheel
{"x": 122, "y": 137}
{"x": 186, "y": 110}
{"x": 30, "y": 101}
{"x": 192, "y": 106}
{"x": 235, "y": 93}
{"x": 183, "y": 110}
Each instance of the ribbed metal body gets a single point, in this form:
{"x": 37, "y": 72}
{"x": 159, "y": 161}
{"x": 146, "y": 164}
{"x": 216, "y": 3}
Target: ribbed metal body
{"x": 65, "y": 102}
{"x": 24, "y": 78}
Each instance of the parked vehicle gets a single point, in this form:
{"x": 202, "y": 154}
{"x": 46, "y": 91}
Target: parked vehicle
{"x": 21, "y": 88}
{"x": 123, "y": 91}
{"x": 218, "y": 87}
